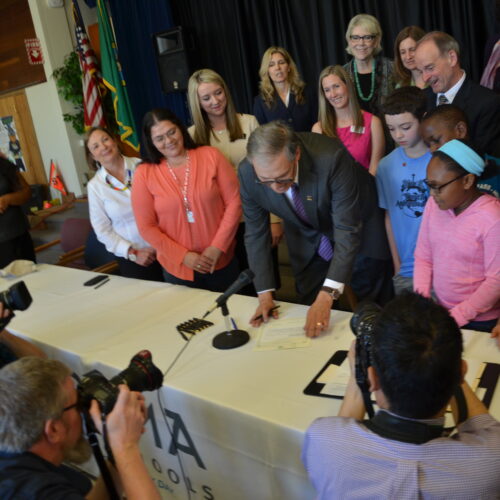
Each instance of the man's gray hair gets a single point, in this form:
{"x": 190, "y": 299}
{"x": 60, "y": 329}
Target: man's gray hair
{"x": 270, "y": 140}
{"x": 443, "y": 41}
{"x": 31, "y": 392}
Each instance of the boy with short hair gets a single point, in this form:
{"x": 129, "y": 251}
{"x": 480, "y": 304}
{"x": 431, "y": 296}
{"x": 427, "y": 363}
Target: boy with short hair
{"x": 448, "y": 122}
{"x": 400, "y": 180}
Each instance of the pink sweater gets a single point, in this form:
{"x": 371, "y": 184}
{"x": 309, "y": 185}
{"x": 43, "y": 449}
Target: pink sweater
{"x": 459, "y": 257}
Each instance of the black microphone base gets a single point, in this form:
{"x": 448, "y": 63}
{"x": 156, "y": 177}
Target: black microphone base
{"x": 230, "y": 339}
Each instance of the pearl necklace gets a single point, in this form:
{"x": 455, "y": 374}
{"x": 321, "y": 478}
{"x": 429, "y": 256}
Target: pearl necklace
{"x": 372, "y": 84}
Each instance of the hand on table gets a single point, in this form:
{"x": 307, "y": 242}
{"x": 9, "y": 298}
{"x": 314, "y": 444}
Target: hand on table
{"x": 495, "y": 333}
{"x": 318, "y": 315}
{"x": 266, "y": 303}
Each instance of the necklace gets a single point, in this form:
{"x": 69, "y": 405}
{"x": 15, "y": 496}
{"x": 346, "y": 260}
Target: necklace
{"x": 184, "y": 188}
{"x": 127, "y": 184}
{"x": 372, "y": 84}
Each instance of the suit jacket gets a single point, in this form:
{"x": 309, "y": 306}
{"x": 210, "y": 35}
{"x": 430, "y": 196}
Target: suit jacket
{"x": 340, "y": 200}
{"x": 482, "y": 107}
{"x": 300, "y": 117}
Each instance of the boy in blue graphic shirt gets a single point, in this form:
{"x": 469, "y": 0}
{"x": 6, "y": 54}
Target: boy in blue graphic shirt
{"x": 400, "y": 178}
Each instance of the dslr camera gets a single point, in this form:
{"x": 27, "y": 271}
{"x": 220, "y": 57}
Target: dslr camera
{"x": 140, "y": 375}
{"x": 17, "y": 297}
{"x": 362, "y": 325}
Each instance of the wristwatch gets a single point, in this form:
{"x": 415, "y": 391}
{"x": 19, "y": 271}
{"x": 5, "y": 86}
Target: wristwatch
{"x": 132, "y": 255}
{"x": 333, "y": 292}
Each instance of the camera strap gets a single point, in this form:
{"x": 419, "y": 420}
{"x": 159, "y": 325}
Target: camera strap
{"x": 401, "y": 429}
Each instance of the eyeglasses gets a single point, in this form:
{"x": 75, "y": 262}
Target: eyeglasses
{"x": 440, "y": 188}
{"x": 366, "y": 38}
{"x": 280, "y": 181}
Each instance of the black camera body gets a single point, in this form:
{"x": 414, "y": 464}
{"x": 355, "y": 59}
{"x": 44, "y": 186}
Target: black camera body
{"x": 141, "y": 375}
{"x": 362, "y": 325}
{"x": 17, "y": 297}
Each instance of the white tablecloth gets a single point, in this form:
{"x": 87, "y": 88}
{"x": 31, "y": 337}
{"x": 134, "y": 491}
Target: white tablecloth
{"x": 238, "y": 416}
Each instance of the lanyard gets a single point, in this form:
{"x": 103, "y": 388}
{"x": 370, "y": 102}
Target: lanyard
{"x": 184, "y": 188}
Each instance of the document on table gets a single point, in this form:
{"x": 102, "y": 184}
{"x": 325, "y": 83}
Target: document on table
{"x": 282, "y": 334}
{"x": 335, "y": 379}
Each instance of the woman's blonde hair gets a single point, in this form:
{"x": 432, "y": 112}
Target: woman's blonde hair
{"x": 327, "y": 116}
{"x": 370, "y": 24}
{"x": 202, "y": 126}
{"x": 266, "y": 86}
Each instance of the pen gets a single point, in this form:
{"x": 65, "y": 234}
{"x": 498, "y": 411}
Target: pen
{"x": 101, "y": 283}
{"x": 270, "y": 310}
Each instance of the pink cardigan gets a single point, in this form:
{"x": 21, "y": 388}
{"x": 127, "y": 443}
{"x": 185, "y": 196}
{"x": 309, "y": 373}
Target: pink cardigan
{"x": 214, "y": 198}
{"x": 459, "y": 256}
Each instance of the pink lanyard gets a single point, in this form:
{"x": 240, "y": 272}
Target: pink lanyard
{"x": 184, "y": 189}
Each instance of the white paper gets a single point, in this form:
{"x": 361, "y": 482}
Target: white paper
{"x": 282, "y": 334}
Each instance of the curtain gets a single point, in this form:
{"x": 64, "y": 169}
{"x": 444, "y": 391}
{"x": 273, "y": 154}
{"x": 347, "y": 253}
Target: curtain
{"x": 135, "y": 21}
{"x": 232, "y": 35}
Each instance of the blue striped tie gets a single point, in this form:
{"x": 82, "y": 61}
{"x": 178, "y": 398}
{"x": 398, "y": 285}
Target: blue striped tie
{"x": 325, "y": 250}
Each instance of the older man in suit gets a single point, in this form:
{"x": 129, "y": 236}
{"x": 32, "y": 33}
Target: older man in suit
{"x": 438, "y": 57}
{"x": 333, "y": 226}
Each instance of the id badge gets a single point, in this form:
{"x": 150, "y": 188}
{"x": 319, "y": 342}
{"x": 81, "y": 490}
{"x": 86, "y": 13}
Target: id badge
{"x": 190, "y": 217}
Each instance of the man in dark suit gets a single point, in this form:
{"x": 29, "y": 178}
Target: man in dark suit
{"x": 337, "y": 212}
{"x": 438, "y": 57}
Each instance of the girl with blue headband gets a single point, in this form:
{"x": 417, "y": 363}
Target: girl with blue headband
{"x": 458, "y": 247}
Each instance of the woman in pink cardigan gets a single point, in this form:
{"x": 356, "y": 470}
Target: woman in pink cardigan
{"x": 458, "y": 247}
{"x": 187, "y": 205}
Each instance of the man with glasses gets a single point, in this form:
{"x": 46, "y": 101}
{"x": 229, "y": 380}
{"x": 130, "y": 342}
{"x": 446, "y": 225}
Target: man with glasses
{"x": 438, "y": 57}
{"x": 41, "y": 427}
{"x": 333, "y": 226}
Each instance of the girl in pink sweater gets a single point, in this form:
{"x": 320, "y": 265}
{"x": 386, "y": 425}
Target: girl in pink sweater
{"x": 458, "y": 247}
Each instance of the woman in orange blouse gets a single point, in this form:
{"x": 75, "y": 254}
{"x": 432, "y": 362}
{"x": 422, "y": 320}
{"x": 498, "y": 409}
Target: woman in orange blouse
{"x": 187, "y": 205}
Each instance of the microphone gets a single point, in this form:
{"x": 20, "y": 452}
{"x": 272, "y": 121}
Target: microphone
{"x": 243, "y": 279}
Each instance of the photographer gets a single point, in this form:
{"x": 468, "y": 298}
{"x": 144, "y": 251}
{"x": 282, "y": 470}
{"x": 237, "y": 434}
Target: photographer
{"x": 416, "y": 368}
{"x": 40, "y": 428}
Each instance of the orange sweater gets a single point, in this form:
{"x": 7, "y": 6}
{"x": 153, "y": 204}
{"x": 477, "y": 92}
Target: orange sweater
{"x": 214, "y": 199}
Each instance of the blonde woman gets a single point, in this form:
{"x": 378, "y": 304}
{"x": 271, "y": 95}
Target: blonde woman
{"x": 216, "y": 123}
{"x": 371, "y": 73}
{"x": 341, "y": 116}
{"x": 283, "y": 95}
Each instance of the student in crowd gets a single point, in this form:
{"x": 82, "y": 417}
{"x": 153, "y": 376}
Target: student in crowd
{"x": 447, "y": 122}
{"x": 15, "y": 239}
{"x": 371, "y": 73}
{"x": 457, "y": 248}
{"x": 402, "y": 192}
{"x": 282, "y": 93}
{"x": 216, "y": 123}
{"x": 187, "y": 204}
{"x": 110, "y": 207}
{"x": 341, "y": 116}
{"x": 405, "y": 67}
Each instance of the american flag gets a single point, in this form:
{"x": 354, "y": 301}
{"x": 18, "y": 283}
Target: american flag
{"x": 92, "y": 106}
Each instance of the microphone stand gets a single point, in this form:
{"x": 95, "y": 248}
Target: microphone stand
{"x": 230, "y": 338}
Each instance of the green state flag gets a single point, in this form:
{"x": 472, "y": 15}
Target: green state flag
{"x": 113, "y": 78}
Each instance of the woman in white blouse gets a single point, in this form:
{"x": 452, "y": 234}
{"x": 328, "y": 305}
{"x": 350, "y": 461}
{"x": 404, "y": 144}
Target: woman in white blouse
{"x": 110, "y": 207}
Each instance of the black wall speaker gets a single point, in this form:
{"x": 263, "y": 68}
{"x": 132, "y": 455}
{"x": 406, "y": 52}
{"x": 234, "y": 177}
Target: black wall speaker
{"x": 174, "y": 52}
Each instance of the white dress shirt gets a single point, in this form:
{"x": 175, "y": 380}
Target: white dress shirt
{"x": 111, "y": 212}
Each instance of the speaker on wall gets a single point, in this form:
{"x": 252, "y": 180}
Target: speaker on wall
{"x": 174, "y": 53}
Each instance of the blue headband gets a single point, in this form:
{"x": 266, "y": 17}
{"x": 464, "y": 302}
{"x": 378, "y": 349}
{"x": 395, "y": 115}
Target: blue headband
{"x": 464, "y": 156}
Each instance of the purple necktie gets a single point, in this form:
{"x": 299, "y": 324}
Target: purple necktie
{"x": 325, "y": 250}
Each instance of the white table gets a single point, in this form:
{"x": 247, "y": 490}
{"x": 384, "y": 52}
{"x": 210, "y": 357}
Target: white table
{"x": 243, "y": 412}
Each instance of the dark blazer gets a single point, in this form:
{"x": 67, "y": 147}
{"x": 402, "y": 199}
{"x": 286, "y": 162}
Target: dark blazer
{"x": 482, "y": 108}
{"x": 340, "y": 200}
{"x": 300, "y": 117}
